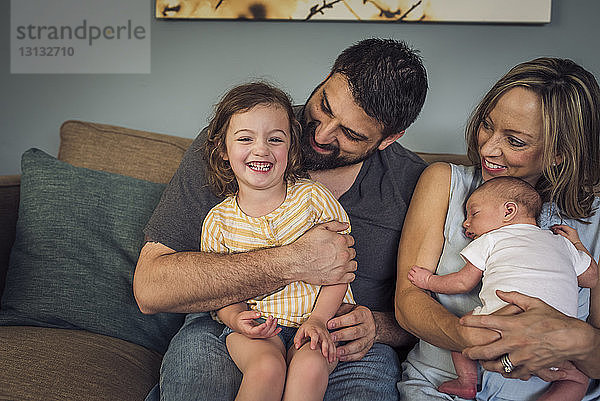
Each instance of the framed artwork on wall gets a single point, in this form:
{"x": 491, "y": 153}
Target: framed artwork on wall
{"x": 481, "y": 11}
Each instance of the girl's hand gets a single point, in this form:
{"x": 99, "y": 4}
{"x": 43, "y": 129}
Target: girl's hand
{"x": 315, "y": 331}
{"x": 567, "y": 232}
{"x": 419, "y": 277}
{"x": 245, "y": 323}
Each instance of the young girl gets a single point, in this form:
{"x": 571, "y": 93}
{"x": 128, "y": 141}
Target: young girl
{"x": 253, "y": 158}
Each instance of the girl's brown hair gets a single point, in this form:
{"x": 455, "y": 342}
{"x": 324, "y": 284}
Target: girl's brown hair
{"x": 242, "y": 98}
{"x": 570, "y": 99}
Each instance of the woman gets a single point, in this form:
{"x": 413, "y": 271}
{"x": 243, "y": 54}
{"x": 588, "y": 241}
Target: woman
{"x": 541, "y": 123}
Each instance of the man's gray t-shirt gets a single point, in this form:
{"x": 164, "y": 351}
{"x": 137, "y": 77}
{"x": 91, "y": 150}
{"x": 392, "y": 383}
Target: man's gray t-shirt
{"x": 376, "y": 204}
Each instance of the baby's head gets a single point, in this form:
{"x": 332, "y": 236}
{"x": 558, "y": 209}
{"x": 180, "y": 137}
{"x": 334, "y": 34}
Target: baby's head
{"x": 242, "y": 100}
{"x": 500, "y": 202}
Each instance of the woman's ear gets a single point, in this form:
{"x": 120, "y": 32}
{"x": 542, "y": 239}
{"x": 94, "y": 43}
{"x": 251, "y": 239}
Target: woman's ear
{"x": 558, "y": 159}
{"x": 510, "y": 211}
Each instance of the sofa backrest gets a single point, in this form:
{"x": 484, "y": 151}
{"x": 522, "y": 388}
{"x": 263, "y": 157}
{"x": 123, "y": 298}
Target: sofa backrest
{"x": 143, "y": 154}
{"x": 140, "y": 154}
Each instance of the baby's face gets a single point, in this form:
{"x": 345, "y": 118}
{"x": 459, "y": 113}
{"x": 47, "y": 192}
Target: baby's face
{"x": 484, "y": 214}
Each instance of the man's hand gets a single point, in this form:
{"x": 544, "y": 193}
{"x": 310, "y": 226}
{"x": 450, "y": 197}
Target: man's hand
{"x": 355, "y": 325}
{"x": 327, "y": 255}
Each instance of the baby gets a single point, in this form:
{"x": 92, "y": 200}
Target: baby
{"x": 513, "y": 254}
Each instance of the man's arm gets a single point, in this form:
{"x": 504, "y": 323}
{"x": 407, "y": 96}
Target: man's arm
{"x": 185, "y": 282}
{"x": 389, "y": 332}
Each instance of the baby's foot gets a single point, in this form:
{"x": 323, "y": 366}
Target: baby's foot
{"x": 461, "y": 389}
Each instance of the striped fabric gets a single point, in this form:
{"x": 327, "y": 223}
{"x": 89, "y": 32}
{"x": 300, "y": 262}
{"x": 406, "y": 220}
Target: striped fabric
{"x": 227, "y": 229}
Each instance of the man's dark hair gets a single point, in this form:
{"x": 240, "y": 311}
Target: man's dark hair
{"x": 387, "y": 79}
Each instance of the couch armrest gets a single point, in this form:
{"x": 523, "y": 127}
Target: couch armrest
{"x": 10, "y": 186}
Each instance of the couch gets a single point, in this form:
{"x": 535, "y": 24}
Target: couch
{"x": 70, "y": 233}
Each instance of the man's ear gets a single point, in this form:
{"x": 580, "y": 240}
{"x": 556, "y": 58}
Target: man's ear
{"x": 389, "y": 140}
{"x": 510, "y": 211}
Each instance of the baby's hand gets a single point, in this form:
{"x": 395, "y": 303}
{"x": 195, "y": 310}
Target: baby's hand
{"x": 419, "y": 277}
{"x": 567, "y": 232}
{"x": 315, "y": 330}
{"x": 246, "y": 324}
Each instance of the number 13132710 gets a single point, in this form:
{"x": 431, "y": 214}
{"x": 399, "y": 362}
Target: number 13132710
{"x": 46, "y": 51}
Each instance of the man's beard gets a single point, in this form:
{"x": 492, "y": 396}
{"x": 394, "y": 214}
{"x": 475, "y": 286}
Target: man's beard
{"x": 314, "y": 161}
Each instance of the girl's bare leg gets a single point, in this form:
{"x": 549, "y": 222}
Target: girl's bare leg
{"x": 308, "y": 374}
{"x": 263, "y": 365}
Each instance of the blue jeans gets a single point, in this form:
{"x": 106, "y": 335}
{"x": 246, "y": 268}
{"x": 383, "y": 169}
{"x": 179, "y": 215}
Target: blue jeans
{"x": 198, "y": 367}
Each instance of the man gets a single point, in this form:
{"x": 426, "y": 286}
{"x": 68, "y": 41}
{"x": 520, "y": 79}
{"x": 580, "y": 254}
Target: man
{"x": 351, "y": 122}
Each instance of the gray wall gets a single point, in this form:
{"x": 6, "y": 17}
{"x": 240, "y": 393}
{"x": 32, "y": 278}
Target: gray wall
{"x": 193, "y": 62}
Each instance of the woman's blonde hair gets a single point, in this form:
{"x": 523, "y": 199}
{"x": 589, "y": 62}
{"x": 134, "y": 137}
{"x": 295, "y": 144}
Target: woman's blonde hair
{"x": 242, "y": 98}
{"x": 570, "y": 99}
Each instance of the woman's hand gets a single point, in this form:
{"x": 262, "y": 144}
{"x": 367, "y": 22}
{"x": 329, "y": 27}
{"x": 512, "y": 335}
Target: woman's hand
{"x": 315, "y": 331}
{"x": 536, "y": 339}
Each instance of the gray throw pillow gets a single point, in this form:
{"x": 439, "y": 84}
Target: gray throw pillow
{"x": 79, "y": 233}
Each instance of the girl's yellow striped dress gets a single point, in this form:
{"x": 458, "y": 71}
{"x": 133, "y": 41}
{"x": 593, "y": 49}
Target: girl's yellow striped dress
{"x": 227, "y": 229}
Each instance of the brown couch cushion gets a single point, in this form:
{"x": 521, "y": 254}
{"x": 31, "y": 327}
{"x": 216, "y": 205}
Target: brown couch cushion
{"x": 57, "y": 364}
{"x": 140, "y": 154}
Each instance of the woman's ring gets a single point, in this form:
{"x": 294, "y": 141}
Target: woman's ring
{"x": 508, "y": 366}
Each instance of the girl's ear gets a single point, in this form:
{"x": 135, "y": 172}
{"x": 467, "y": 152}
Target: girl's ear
{"x": 218, "y": 151}
{"x": 510, "y": 211}
{"x": 222, "y": 149}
